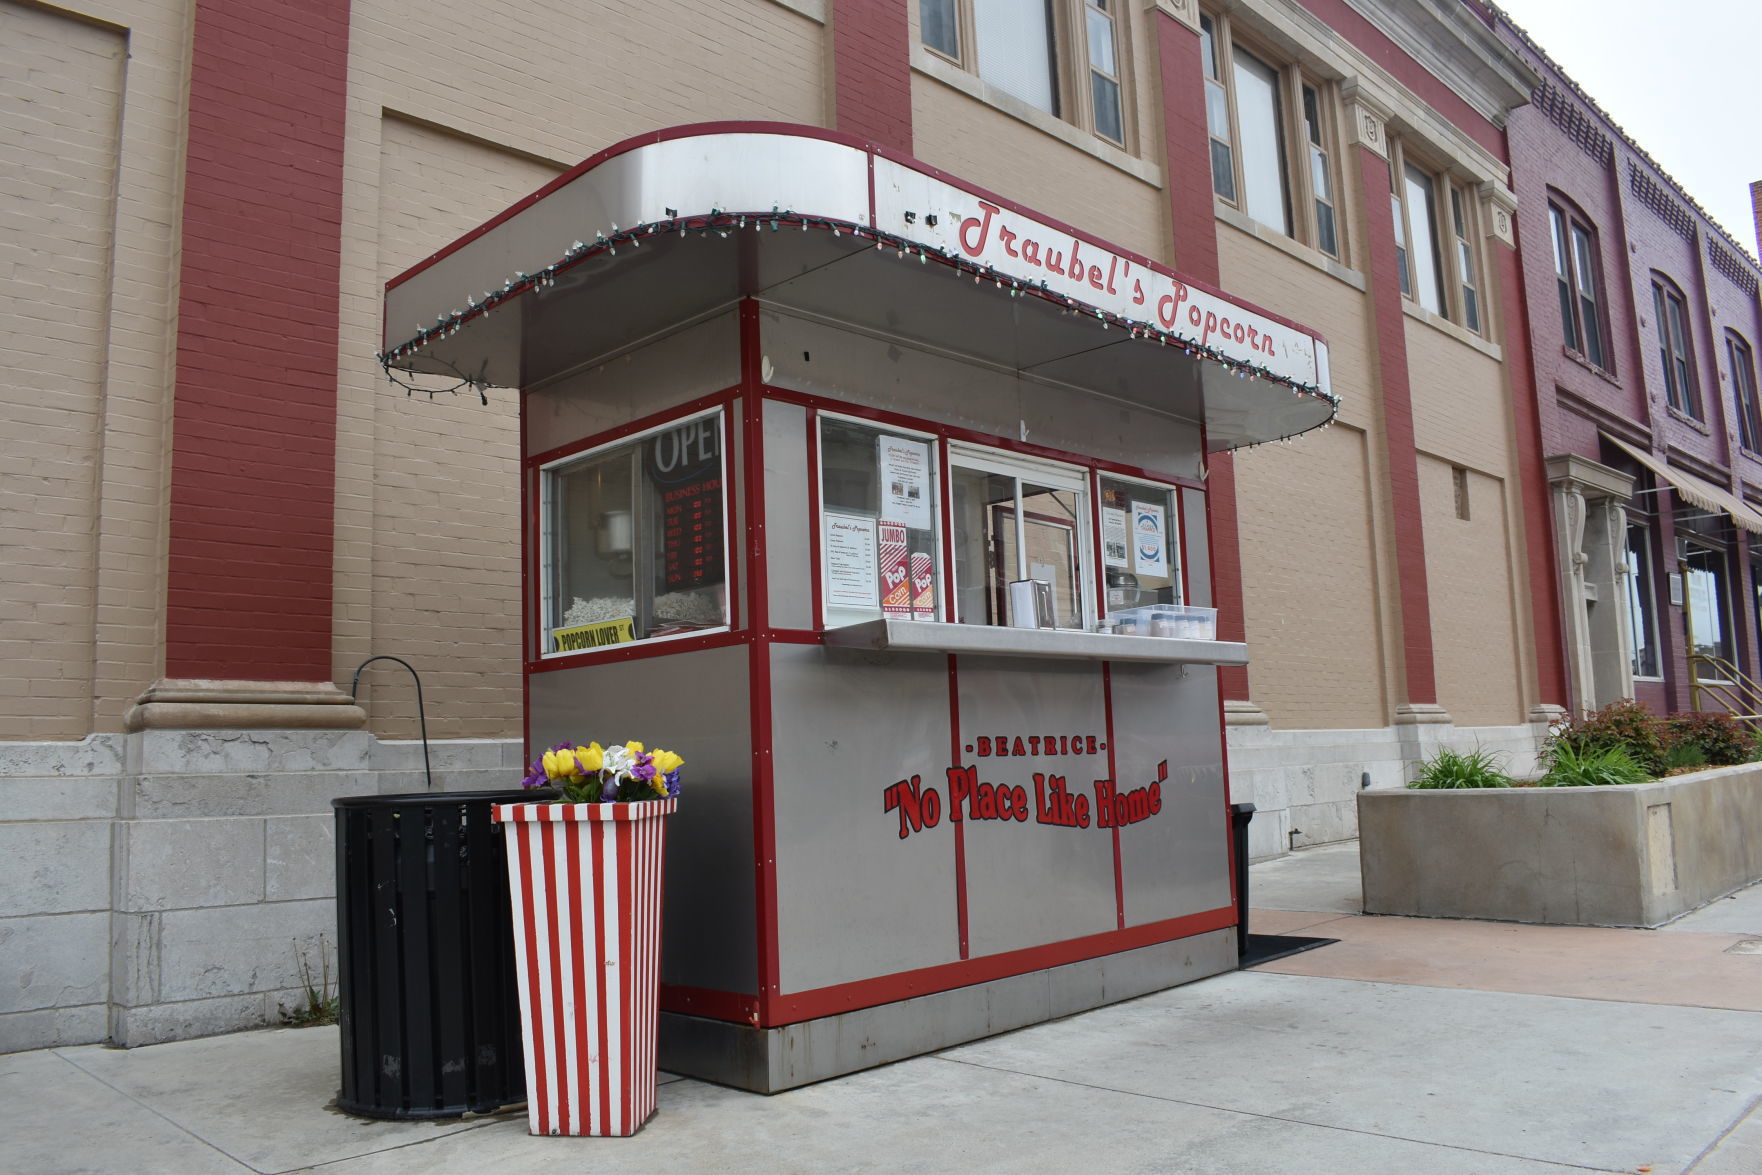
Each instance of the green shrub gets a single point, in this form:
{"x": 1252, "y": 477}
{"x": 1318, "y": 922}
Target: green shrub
{"x": 1684, "y": 757}
{"x": 1450, "y": 769}
{"x": 1721, "y": 739}
{"x": 1626, "y": 724}
{"x": 1591, "y": 767}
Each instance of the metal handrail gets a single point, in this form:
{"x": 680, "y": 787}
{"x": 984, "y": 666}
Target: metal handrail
{"x": 1734, "y": 691}
{"x": 421, "y": 717}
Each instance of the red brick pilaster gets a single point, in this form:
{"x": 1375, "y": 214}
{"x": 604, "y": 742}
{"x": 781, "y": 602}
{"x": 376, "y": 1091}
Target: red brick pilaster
{"x": 1193, "y": 232}
{"x": 872, "y": 63}
{"x": 254, "y": 410}
{"x": 1538, "y": 519}
{"x": 1389, "y": 338}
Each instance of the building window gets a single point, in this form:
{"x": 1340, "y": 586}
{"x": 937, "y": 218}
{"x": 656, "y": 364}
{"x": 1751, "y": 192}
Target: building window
{"x": 1707, "y": 613}
{"x": 1271, "y": 135}
{"x": 1459, "y": 483}
{"x": 1642, "y": 595}
{"x": 632, "y": 547}
{"x": 1743, "y": 378}
{"x": 1439, "y": 271}
{"x": 1674, "y": 353}
{"x": 1060, "y": 56}
{"x": 880, "y": 523}
{"x": 1575, "y": 274}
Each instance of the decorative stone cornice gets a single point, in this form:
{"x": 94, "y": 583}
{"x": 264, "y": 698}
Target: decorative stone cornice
{"x": 1369, "y": 118}
{"x": 1185, "y": 11}
{"x": 1501, "y": 204}
{"x": 1591, "y": 478}
{"x": 204, "y": 704}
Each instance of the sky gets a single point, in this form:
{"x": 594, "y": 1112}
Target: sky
{"x": 1684, "y": 81}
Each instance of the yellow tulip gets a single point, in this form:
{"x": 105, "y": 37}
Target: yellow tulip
{"x": 659, "y": 784}
{"x": 667, "y": 761}
{"x": 634, "y": 748}
{"x": 592, "y": 757}
{"x": 561, "y": 765}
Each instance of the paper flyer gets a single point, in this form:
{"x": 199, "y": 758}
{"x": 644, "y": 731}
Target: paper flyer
{"x": 1115, "y": 538}
{"x": 1149, "y": 539}
{"x": 905, "y": 481}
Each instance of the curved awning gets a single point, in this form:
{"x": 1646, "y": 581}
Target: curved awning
{"x": 668, "y": 227}
{"x": 1695, "y": 490}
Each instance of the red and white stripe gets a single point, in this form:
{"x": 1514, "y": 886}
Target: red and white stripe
{"x": 585, "y": 880}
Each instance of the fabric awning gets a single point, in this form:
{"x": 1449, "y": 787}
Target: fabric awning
{"x": 1696, "y": 490}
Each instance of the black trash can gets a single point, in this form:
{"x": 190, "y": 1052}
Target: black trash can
{"x": 428, "y": 1006}
{"x": 1240, "y": 816}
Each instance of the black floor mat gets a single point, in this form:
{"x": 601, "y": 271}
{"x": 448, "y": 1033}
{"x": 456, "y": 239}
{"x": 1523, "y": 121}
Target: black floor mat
{"x": 1264, "y": 948}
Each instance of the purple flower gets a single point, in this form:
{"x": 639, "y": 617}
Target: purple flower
{"x": 644, "y": 769}
{"x": 535, "y": 775}
{"x": 672, "y": 780}
{"x": 611, "y": 792}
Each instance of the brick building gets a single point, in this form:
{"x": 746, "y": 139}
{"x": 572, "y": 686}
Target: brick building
{"x": 1644, "y": 322}
{"x": 218, "y": 507}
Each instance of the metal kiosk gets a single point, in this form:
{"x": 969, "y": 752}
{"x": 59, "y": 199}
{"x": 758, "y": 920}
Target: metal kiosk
{"x": 881, "y": 499}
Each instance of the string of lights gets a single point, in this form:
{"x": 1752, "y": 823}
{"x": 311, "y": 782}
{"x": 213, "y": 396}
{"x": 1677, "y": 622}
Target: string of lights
{"x": 723, "y": 224}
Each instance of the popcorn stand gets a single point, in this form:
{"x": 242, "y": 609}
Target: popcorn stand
{"x": 881, "y": 500}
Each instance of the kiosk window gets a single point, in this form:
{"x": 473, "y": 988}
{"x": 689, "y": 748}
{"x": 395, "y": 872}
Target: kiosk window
{"x": 633, "y": 539}
{"x": 879, "y": 510}
{"x": 1017, "y": 523}
{"x": 1139, "y": 545}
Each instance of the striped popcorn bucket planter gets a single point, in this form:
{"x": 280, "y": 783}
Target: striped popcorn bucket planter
{"x": 585, "y": 882}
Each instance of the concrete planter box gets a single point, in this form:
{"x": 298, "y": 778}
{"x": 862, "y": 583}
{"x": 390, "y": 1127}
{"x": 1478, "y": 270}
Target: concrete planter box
{"x": 1575, "y": 856}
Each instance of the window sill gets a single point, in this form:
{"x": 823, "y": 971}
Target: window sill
{"x": 924, "y": 636}
{"x": 1698, "y": 425}
{"x": 1579, "y": 358}
{"x": 814, "y": 10}
{"x": 949, "y": 74}
{"x": 1314, "y": 258}
{"x": 1461, "y": 334}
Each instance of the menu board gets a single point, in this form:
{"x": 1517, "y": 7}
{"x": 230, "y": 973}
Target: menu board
{"x": 685, "y": 467}
{"x": 849, "y": 543}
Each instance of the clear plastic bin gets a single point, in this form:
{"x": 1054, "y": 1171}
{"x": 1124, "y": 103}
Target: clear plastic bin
{"x": 1168, "y": 620}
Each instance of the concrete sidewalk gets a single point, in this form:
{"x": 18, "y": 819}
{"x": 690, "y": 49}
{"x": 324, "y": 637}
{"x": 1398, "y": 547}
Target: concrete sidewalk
{"x": 1410, "y": 1047}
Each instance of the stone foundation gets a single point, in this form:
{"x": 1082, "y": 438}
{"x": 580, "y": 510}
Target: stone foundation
{"x": 168, "y": 883}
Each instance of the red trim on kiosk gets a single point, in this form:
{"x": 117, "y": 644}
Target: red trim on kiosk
{"x": 733, "y": 1006}
{"x": 816, "y": 553}
{"x": 864, "y": 993}
{"x": 960, "y": 827}
{"x": 752, "y": 408}
{"x": 1113, "y": 772}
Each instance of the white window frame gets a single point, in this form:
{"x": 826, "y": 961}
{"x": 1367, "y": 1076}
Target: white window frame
{"x": 1053, "y": 475}
{"x": 940, "y": 554}
{"x": 1295, "y": 148}
{"x": 1456, "y": 256}
{"x": 1072, "y": 61}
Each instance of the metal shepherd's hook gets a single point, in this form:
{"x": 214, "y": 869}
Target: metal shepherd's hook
{"x": 421, "y": 718}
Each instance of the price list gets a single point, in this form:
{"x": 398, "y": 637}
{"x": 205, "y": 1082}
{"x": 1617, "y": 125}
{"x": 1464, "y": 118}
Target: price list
{"x": 691, "y": 519}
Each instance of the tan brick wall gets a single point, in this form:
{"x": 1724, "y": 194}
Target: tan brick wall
{"x": 444, "y": 133}
{"x": 1473, "y": 597}
{"x": 59, "y": 109}
{"x": 1308, "y": 554}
